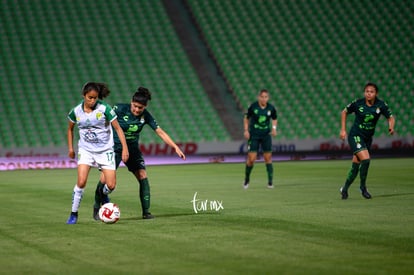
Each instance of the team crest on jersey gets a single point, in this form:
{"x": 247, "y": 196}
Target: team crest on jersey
{"x": 125, "y": 118}
{"x": 377, "y": 110}
{"x": 142, "y": 121}
{"x": 269, "y": 113}
{"x": 99, "y": 115}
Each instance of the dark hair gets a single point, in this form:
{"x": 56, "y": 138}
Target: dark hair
{"x": 263, "y": 91}
{"x": 101, "y": 88}
{"x": 142, "y": 95}
{"x": 372, "y": 85}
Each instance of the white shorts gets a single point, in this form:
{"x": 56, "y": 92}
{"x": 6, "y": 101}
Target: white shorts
{"x": 103, "y": 160}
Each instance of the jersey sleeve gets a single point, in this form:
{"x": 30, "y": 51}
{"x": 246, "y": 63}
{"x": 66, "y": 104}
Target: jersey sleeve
{"x": 109, "y": 113}
{"x": 72, "y": 116}
{"x": 385, "y": 110}
{"x": 351, "y": 107}
{"x": 249, "y": 112}
{"x": 274, "y": 113}
{"x": 151, "y": 121}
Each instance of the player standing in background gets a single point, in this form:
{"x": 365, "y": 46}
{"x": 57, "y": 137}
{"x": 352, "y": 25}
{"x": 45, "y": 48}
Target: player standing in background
{"x": 258, "y": 132}
{"x": 94, "y": 119}
{"x": 132, "y": 118}
{"x": 367, "y": 112}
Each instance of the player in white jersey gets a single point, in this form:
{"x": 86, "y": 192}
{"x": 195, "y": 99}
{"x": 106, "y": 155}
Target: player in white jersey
{"x": 95, "y": 147}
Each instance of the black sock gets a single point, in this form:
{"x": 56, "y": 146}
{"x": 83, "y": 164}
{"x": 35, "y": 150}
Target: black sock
{"x": 98, "y": 192}
{"x": 363, "y": 173}
{"x": 269, "y": 170}
{"x": 352, "y": 174}
{"x": 144, "y": 195}
{"x": 247, "y": 173}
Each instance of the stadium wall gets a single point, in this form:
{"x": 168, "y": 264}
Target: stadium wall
{"x": 233, "y": 151}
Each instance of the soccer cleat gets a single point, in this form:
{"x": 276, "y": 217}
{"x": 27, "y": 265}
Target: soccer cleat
{"x": 365, "y": 194}
{"x": 343, "y": 193}
{"x": 270, "y": 186}
{"x": 73, "y": 218}
{"x": 147, "y": 216}
{"x": 96, "y": 214}
{"x": 246, "y": 184}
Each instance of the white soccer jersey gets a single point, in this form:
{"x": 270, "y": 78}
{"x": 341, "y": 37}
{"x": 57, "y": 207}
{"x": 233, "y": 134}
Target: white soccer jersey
{"x": 95, "y": 131}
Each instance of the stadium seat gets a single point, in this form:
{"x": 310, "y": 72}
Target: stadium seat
{"x": 319, "y": 54}
{"x": 55, "y": 50}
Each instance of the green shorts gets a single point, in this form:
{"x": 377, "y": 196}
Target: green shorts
{"x": 135, "y": 161}
{"x": 265, "y": 142}
{"x": 358, "y": 143}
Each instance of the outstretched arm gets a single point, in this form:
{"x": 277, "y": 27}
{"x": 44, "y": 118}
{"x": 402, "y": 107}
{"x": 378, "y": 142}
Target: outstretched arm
{"x": 167, "y": 139}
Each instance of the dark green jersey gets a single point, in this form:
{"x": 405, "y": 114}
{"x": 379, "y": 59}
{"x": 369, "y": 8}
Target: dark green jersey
{"x": 259, "y": 118}
{"x": 366, "y": 117}
{"x": 132, "y": 125}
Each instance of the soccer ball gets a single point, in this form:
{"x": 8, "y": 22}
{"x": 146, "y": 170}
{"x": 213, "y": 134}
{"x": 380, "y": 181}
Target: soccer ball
{"x": 109, "y": 213}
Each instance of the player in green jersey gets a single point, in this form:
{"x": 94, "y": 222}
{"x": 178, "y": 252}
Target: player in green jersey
{"x": 367, "y": 112}
{"x": 94, "y": 119}
{"x": 132, "y": 118}
{"x": 259, "y": 131}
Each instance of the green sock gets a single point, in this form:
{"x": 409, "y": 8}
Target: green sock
{"x": 363, "y": 173}
{"x": 248, "y": 171}
{"x": 269, "y": 170}
{"x": 144, "y": 195}
{"x": 352, "y": 174}
{"x": 98, "y": 191}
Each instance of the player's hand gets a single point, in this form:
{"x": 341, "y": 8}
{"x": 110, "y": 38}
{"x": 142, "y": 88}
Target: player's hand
{"x": 391, "y": 131}
{"x": 274, "y": 132}
{"x": 246, "y": 134}
{"x": 71, "y": 154}
{"x": 125, "y": 155}
{"x": 342, "y": 134}
{"x": 179, "y": 153}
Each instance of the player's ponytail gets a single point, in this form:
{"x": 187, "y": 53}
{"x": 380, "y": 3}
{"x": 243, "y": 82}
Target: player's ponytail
{"x": 142, "y": 95}
{"x": 103, "y": 90}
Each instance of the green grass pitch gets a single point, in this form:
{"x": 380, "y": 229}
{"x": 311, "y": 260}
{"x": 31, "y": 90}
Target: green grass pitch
{"x": 299, "y": 227}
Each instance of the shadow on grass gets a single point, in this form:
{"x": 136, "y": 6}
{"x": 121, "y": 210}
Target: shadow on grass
{"x": 393, "y": 195}
{"x": 170, "y": 215}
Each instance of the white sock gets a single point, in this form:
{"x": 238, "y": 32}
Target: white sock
{"x": 76, "y": 198}
{"x": 106, "y": 190}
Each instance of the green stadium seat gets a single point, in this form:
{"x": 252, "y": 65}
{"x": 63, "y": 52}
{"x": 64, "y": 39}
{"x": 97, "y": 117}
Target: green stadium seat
{"x": 123, "y": 50}
{"x": 318, "y": 48}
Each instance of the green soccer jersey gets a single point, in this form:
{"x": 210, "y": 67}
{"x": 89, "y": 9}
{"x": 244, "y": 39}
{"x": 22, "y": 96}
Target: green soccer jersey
{"x": 132, "y": 125}
{"x": 366, "y": 117}
{"x": 259, "y": 118}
